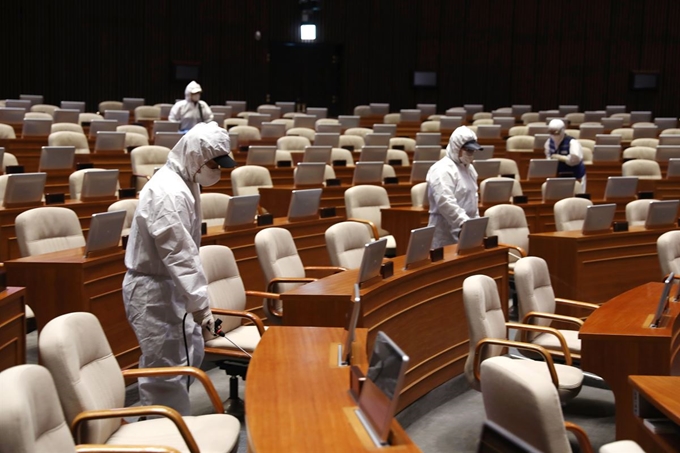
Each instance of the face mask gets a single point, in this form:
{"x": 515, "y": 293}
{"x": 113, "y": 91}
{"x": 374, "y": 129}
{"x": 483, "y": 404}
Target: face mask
{"x": 207, "y": 176}
{"x": 466, "y": 158}
{"x": 196, "y": 97}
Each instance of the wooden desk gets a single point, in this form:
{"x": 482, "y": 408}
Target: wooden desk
{"x": 616, "y": 342}
{"x": 12, "y": 327}
{"x": 658, "y": 397}
{"x": 297, "y": 400}
{"x": 277, "y": 199}
{"x": 420, "y": 308}
{"x": 596, "y": 267}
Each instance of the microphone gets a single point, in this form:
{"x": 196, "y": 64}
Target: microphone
{"x": 218, "y": 331}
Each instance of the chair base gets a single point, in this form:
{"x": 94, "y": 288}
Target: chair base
{"x": 234, "y": 405}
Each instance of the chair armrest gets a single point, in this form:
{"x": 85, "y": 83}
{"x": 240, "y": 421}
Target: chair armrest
{"x": 519, "y": 249}
{"x": 162, "y": 411}
{"x": 241, "y": 314}
{"x": 263, "y": 294}
{"x": 197, "y": 373}
{"x": 97, "y": 448}
{"x": 543, "y": 329}
{"x": 147, "y": 177}
{"x": 325, "y": 269}
{"x": 376, "y": 235}
{"x": 556, "y": 317}
{"x": 270, "y": 297}
{"x": 519, "y": 345}
{"x": 576, "y": 303}
{"x": 581, "y": 437}
{"x": 275, "y": 281}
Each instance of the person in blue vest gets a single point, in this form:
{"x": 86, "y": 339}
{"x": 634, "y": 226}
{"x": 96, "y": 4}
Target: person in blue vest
{"x": 567, "y": 150}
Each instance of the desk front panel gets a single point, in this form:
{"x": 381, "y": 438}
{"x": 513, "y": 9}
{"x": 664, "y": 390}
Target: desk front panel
{"x": 12, "y": 327}
{"x": 420, "y": 308}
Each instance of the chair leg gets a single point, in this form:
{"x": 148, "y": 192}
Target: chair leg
{"x": 234, "y": 405}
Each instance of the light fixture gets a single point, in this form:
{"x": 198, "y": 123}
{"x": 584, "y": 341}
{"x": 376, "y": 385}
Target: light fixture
{"x": 308, "y": 32}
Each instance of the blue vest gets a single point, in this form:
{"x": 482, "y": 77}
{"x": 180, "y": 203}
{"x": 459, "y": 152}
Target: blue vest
{"x": 577, "y": 171}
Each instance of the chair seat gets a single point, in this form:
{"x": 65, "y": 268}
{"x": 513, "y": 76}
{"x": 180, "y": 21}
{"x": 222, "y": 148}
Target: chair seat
{"x": 217, "y": 433}
{"x": 570, "y": 378}
{"x": 550, "y": 342}
{"x": 245, "y": 336}
{"x": 29, "y": 312}
{"x": 621, "y": 446}
{"x": 391, "y": 242}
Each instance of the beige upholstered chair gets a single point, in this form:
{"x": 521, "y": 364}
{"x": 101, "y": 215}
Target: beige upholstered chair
{"x": 282, "y": 267}
{"x": 647, "y": 142}
{"x": 587, "y": 143}
{"x": 39, "y": 115}
{"x": 518, "y": 130}
{"x": 247, "y": 179}
{"x": 575, "y": 118}
{"x": 639, "y": 152}
{"x": 66, "y": 138}
{"x": 32, "y": 419}
{"x": 672, "y": 131}
{"x": 110, "y": 105}
{"x": 144, "y": 160}
{"x": 482, "y": 121}
{"x": 525, "y": 403}
{"x": 141, "y": 130}
{"x": 397, "y": 154}
{"x": 537, "y": 304}
{"x": 246, "y": 133}
{"x": 355, "y": 141}
{"x": 626, "y": 133}
{"x": 134, "y": 140}
{"x": 287, "y": 122}
{"x": 75, "y": 182}
{"x": 362, "y": 110}
{"x": 70, "y": 127}
{"x": 229, "y": 123}
{"x": 129, "y": 206}
{"x": 508, "y": 166}
{"x": 488, "y": 333}
{"x": 509, "y": 223}
{"x": 147, "y": 112}
{"x": 48, "y": 229}
{"x": 516, "y": 187}
{"x": 345, "y": 243}
{"x": 363, "y": 204}
{"x": 636, "y": 212}
{"x": 587, "y": 156}
{"x": 529, "y": 117}
{"x": 570, "y": 213}
{"x": 88, "y": 117}
{"x": 419, "y": 195}
{"x": 214, "y": 207}
{"x": 359, "y": 131}
{"x": 7, "y": 131}
{"x": 342, "y": 154}
{"x": 302, "y": 132}
{"x": 642, "y": 168}
{"x": 668, "y": 249}
{"x": 430, "y": 126}
{"x": 321, "y": 121}
{"x": 8, "y": 159}
{"x": 228, "y": 305}
{"x": 408, "y": 144}
{"x": 578, "y": 188}
{"x": 520, "y": 143}
{"x": 482, "y": 115}
{"x": 624, "y": 116}
{"x": 392, "y": 118}
{"x": 292, "y": 143}
{"x": 44, "y": 108}
{"x": 88, "y": 378}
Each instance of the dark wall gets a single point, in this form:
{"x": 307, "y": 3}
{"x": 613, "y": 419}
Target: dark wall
{"x": 495, "y": 52}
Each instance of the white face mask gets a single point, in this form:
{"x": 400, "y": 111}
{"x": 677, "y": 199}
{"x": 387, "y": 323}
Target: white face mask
{"x": 466, "y": 158}
{"x": 196, "y": 97}
{"x": 206, "y": 176}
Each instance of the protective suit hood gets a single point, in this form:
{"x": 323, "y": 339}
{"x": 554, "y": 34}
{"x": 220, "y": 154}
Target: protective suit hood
{"x": 192, "y": 88}
{"x": 458, "y": 138}
{"x": 203, "y": 142}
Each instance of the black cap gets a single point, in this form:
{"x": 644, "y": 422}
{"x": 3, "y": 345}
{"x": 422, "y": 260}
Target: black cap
{"x": 472, "y": 145}
{"x": 225, "y": 161}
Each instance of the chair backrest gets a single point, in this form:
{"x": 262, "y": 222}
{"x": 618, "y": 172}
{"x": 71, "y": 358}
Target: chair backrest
{"x": 246, "y": 180}
{"x": 636, "y": 212}
{"x": 534, "y": 289}
{"x": 397, "y": 154}
{"x": 342, "y": 154}
{"x": 69, "y": 127}
{"x": 365, "y": 202}
{"x": 7, "y": 131}
{"x": 485, "y": 319}
{"x": 570, "y": 213}
{"x": 520, "y": 143}
{"x": 48, "y": 229}
{"x": 246, "y": 133}
{"x": 31, "y": 419}
{"x": 8, "y": 159}
{"x": 214, "y": 207}
{"x": 141, "y": 130}
{"x": 509, "y": 223}
{"x": 508, "y": 166}
{"x": 305, "y": 132}
{"x": 278, "y": 256}
{"x": 129, "y": 206}
{"x": 355, "y": 141}
{"x": 419, "y": 195}
{"x": 668, "y": 249}
{"x": 75, "y": 182}
{"x": 292, "y": 143}
{"x": 86, "y": 373}
{"x": 639, "y": 152}
{"x": 147, "y": 112}
{"x": 68, "y": 138}
{"x": 345, "y": 243}
{"x": 525, "y": 403}
{"x": 359, "y": 131}
{"x": 642, "y": 168}
{"x": 225, "y": 287}
{"x": 145, "y": 159}
{"x": 408, "y": 144}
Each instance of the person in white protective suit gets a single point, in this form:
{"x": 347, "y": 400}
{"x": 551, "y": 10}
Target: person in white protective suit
{"x": 165, "y": 279}
{"x": 191, "y": 110}
{"x": 567, "y": 150}
{"x": 452, "y": 188}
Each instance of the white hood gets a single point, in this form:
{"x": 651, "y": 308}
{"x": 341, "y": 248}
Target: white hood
{"x": 203, "y": 142}
{"x": 459, "y": 137}
{"x": 192, "y": 88}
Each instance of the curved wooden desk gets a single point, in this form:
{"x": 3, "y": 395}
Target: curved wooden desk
{"x": 421, "y": 309}
{"x": 616, "y": 342}
{"x": 298, "y": 400}
{"x": 658, "y": 397}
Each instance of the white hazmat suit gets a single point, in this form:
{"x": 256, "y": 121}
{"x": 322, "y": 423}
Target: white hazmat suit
{"x": 165, "y": 278}
{"x": 452, "y": 190}
{"x": 191, "y": 110}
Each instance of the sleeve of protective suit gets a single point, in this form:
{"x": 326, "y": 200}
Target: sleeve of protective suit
{"x": 174, "y": 113}
{"x": 207, "y": 112}
{"x": 575, "y": 153}
{"x": 175, "y": 246}
{"x": 443, "y": 187}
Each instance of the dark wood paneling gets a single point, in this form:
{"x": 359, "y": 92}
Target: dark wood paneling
{"x": 495, "y": 52}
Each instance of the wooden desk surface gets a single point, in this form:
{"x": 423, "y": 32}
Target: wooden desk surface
{"x": 12, "y": 327}
{"x": 297, "y": 399}
{"x": 419, "y": 308}
{"x": 616, "y": 342}
{"x": 661, "y": 392}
